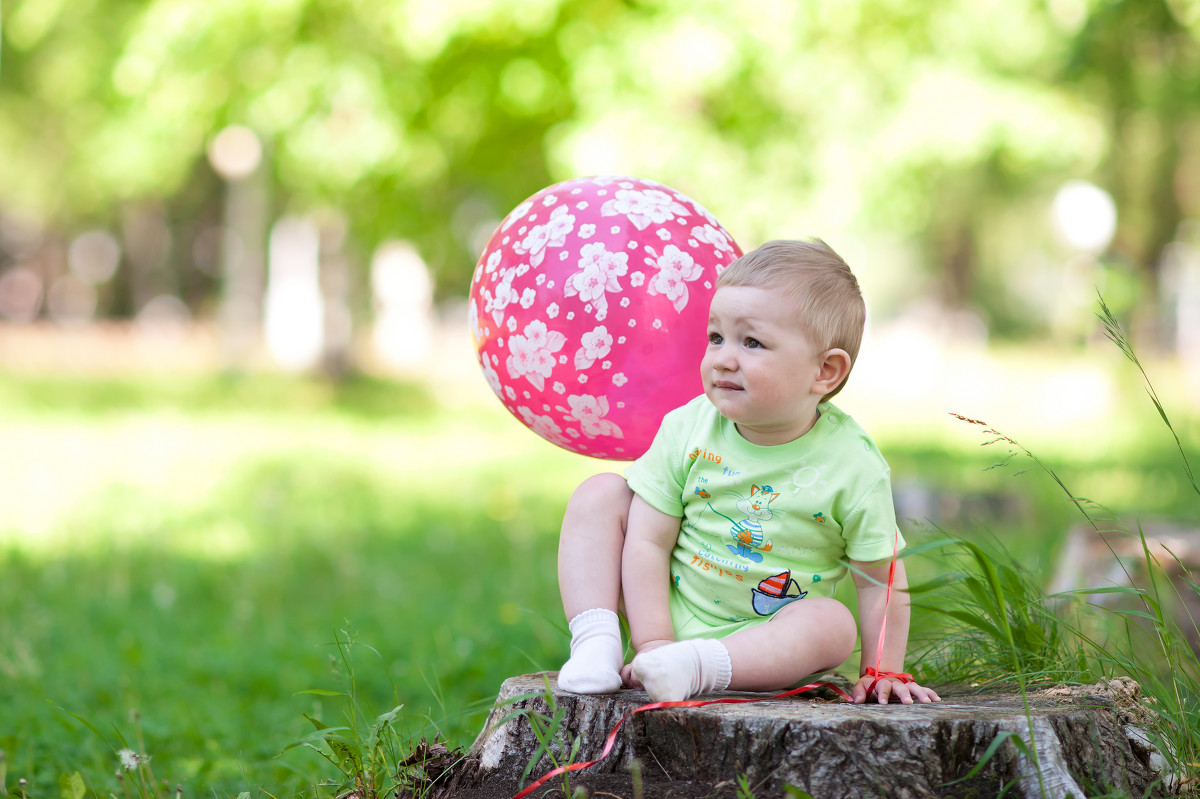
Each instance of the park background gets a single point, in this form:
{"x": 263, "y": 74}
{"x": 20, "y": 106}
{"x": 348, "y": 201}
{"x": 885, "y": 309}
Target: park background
{"x": 240, "y": 415}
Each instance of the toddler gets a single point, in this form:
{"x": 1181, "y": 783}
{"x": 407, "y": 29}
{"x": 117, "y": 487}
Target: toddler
{"x": 724, "y": 542}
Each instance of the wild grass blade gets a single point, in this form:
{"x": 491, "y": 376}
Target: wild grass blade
{"x": 994, "y": 747}
{"x": 1116, "y": 334}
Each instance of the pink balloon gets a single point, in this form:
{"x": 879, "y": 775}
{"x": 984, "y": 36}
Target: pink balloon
{"x": 589, "y": 308}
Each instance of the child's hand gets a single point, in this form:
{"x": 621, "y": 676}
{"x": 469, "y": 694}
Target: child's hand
{"x": 889, "y": 688}
{"x": 627, "y": 671}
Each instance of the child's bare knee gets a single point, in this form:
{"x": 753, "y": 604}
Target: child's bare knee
{"x": 601, "y": 499}
{"x": 841, "y": 631}
{"x": 602, "y": 492}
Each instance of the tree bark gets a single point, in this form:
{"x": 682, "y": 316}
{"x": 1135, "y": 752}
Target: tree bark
{"x": 824, "y": 746}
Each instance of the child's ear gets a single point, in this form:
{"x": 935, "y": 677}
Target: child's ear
{"x": 835, "y": 365}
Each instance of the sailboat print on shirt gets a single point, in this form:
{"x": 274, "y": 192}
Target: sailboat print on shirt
{"x": 773, "y": 593}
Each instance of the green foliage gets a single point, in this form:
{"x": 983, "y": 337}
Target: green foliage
{"x": 428, "y": 121}
{"x": 132, "y": 767}
{"x": 997, "y": 625}
{"x": 1116, "y": 334}
{"x": 361, "y": 397}
{"x": 188, "y": 562}
{"x": 374, "y": 757}
{"x": 796, "y": 793}
{"x": 555, "y": 750}
{"x": 1004, "y": 628}
{"x": 182, "y": 549}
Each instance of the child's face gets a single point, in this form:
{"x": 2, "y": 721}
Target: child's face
{"x": 760, "y": 367}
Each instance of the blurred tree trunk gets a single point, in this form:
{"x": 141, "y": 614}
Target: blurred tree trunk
{"x": 337, "y": 356}
{"x": 1145, "y": 64}
{"x": 958, "y": 258}
{"x": 1166, "y": 214}
{"x": 243, "y": 268}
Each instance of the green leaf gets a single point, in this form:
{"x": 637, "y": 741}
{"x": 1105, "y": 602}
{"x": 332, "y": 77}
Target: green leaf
{"x": 978, "y": 622}
{"x": 928, "y": 546}
{"x": 792, "y": 790}
{"x": 381, "y": 724}
{"x": 346, "y": 752}
{"x": 934, "y": 584}
{"x": 1117, "y": 589}
{"x": 996, "y": 743}
{"x": 85, "y": 723}
{"x": 71, "y": 786}
{"x": 320, "y": 692}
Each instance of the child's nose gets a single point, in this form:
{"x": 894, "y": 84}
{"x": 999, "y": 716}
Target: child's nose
{"x": 724, "y": 360}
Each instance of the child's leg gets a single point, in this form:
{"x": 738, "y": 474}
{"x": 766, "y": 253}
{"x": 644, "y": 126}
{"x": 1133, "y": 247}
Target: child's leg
{"x": 589, "y": 579}
{"x": 806, "y": 637}
{"x": 814, "y": 635}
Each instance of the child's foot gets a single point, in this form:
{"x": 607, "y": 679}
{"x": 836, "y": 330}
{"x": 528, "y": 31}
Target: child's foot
{"x": 596, "y": 654}
{"x": 582, "y": 674}
{"x": 683, "y": 669}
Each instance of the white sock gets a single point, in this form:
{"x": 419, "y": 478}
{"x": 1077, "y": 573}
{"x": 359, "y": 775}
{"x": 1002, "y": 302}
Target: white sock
{"x": 596, "y": 654}
{"x": 683, "y": 669}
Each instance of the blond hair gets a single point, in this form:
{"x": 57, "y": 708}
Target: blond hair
{"x": 829, "y": 302}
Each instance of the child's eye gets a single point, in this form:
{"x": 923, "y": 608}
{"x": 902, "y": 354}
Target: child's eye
{"x": 753, "y": 343}
{"x": 715, "y": 338}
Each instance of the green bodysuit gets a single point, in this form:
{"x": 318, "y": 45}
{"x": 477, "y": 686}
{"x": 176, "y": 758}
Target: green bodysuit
{"x": 762, "y": 526}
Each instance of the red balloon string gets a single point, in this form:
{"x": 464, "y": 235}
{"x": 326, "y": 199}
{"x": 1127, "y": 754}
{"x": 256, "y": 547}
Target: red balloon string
{"x": 902, "y": 676}
{"x": 887, "y": 601}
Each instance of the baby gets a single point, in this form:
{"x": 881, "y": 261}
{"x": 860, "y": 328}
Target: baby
{"x": 724, "y": 542}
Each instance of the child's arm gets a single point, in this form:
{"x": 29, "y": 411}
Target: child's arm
{"x": 646, "y": 573}
{"x": 871, "y": 582}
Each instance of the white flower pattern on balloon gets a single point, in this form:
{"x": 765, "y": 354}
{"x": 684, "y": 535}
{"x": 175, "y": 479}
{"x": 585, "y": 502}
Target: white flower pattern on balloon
{"x": 676, "y": 269}
{"x": 516, "y": 214}
{"x": 644, "y": 207}
{"x": 503, "y": 296}
{"x": 573, "y": 277}
{"x": 493, "y": 261}
{"x": 473, "y": 320}
{"x": 532, "y": 355}
{"x": 590, "y": 411}
{"x": 710, "y": 235}
{"x": 596, "y": 344}
{"x": 491, "y": 375}
{"x": 597, "y": 275}
{"x": 552, "y": 234}
{"x": 542, "y": 424}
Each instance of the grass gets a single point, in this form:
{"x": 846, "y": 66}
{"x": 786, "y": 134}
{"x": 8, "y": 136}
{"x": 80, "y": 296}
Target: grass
{"x": 1002, "y": 626}
{"x": 178, "y": 558}
{"x": 192, "y": 566}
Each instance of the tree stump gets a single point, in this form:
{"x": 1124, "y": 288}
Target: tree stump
{"x": 1085, "y": 744}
